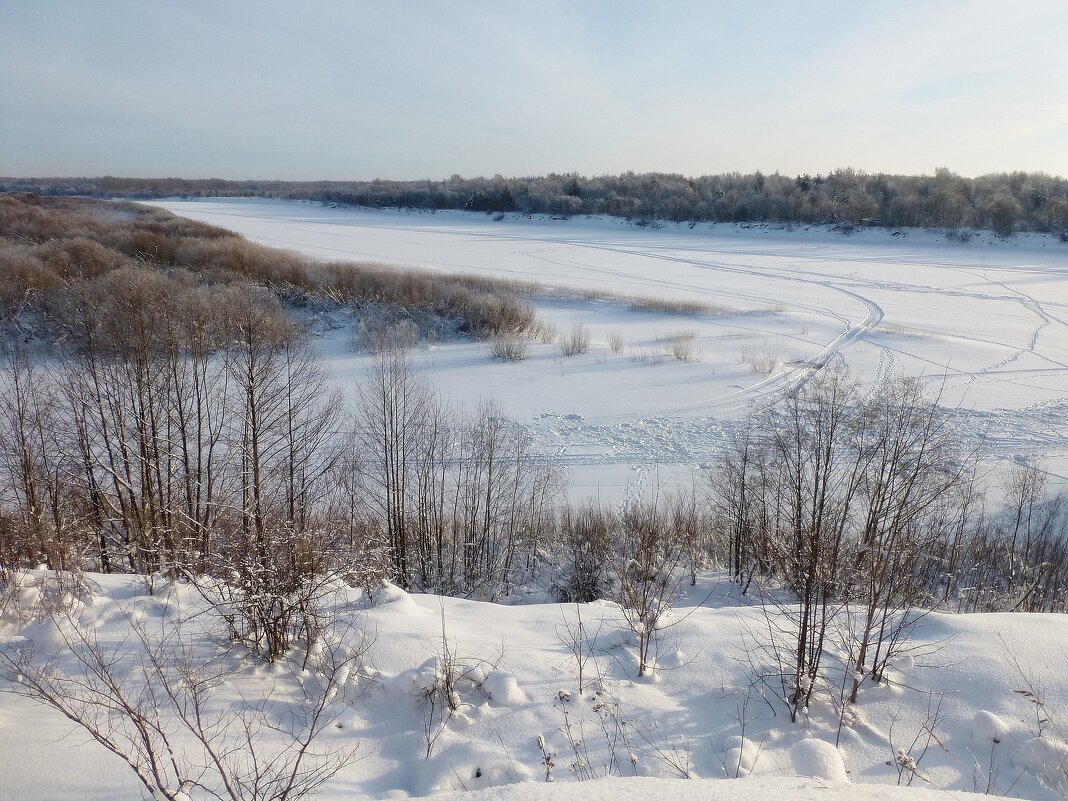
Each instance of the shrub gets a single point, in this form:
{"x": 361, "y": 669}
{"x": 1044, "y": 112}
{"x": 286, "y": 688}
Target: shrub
{"x": 681, "y": 345}
{"x": 545, "y": 331}
{"x": 671, "y": 305}
{"x": 761, "y": 362}
{"x": 588, "y": 540}
{"x": 576, "y": 341}
{"x": 509, "y": 347}
{"x": 381, "y": 332}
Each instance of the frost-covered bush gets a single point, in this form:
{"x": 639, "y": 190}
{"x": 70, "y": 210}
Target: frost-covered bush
{"x": 586, "y": 549}
{"x": 509, "y": 348}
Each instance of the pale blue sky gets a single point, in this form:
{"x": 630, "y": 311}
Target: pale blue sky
{"x": 347, "y": 90}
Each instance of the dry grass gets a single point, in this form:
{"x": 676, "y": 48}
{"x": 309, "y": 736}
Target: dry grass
{"x": 680, "y": 345}
{"x": 673, "y": 306}
{"x": 762, "y": 361}
{"x": 648, "y": 356}
{"x": 509, "y": 347}
{"x": 615, "y": 341}
{"x": 575, "y": 341}
{"x": 914, "y": 333}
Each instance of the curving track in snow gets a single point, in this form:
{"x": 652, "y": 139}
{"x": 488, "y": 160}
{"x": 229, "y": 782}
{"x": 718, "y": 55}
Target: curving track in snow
{"x": 986, "y": 321}
{"x": 790, "y": 376}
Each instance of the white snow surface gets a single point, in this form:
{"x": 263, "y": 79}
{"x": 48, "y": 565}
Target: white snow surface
{"x": 691, "y": 717}
{"x": 985, "y": 320}
{"x": 642, "y": 789}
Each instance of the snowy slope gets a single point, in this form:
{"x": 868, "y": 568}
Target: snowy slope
{"x": 699, "y": 714}
{"x": 985, "y": 320}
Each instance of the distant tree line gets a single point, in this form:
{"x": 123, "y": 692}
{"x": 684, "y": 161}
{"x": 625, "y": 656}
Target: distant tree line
{"x": 1003, "y": 203}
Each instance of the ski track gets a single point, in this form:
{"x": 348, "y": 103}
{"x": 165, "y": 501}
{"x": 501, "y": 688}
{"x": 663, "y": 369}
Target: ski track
{"x": 799, "y": 275}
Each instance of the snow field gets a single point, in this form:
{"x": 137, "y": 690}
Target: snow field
{"x": 986, "y": 321}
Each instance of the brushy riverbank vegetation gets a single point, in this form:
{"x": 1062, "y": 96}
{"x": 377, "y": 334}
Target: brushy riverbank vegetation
{"x": 63, "y": 255}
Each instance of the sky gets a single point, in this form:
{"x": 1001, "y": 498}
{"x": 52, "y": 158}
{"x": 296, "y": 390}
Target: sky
{"x": 409, "y": 89}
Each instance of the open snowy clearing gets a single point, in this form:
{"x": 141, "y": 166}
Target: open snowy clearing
{"x": 986, "y": 320}
{"x": 699, "y": 714}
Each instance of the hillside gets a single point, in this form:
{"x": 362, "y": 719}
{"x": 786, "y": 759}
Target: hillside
{"x": 950, "y": 706}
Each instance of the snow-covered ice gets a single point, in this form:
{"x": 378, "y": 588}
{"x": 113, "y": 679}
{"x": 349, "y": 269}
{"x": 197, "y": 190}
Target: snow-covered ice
{"x": 985, "y": 320}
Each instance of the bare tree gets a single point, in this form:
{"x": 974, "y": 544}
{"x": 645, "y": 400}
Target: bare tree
{"x": 648, "y": 576}
{"x": 391, "y": 423}
{"x": 912, "y": 464}
{"x": 36, "y": 491}
{"x": 817, "y": 477}
{"x": 739, "y": 486}
{"x": 285, "y": 432}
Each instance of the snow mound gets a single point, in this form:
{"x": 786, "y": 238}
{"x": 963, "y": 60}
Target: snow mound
{"x": 987, "y": 727}
{"x": 422, "y": 679}
{"x": 903, "y": 662}
{"x": 396, "y": 599}
{"x": 741, "y": 756}
{"x": 818, "y": 760}
{"x": 469, "y": 766}
{"x": 503, "y": 689}
{"x": 1050, "y": 759}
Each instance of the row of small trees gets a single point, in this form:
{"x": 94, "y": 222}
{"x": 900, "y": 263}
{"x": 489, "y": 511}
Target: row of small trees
{"x": 199, "y": 434}
{"x": 865, "y": 508}
{"x": 169, "y": 427}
